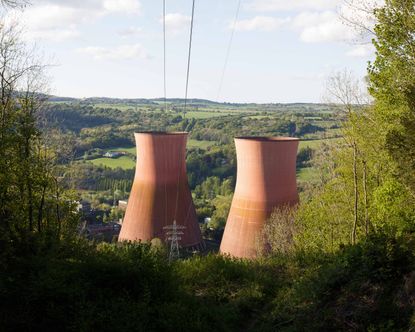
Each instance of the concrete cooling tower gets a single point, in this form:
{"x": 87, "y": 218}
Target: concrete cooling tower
{"x": 160, "y": 193}
{"x": 266, "y": 179}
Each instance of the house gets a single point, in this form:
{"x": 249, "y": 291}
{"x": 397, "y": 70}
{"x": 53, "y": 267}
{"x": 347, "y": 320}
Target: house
{"x": 114, "y": 154}
{"x": 122, "y": 205}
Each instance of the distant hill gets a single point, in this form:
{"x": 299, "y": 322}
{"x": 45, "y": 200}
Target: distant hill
{"x": 179, "y": 101}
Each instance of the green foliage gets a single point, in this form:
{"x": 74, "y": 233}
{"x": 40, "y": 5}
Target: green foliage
{"x": 315, "y": 279}
{"x": 222, "y": 204}
{"x": 76, "y": 285}
{"x": 213, "y": 199}
{"x": 363, "y": 287}
{"x": 324, "y": 222}
{"x": 31, "y": 195}
{"x": 392, "y": 203}
{"x": 103, "y": 288}
{"x": 392, "y": 82}
{"x": 326, "y": 216}
{"x": 304, "y": 156}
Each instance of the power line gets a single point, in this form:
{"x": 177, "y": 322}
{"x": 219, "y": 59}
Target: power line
{"x": 188, "y": 57}
{"x": 164, "y": 55}
{"x": 185, "y": 103}
{"x": 228, "y": 50}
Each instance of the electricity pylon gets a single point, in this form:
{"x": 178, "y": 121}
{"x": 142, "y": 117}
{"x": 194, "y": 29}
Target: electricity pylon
{"x": 173, "y": 235}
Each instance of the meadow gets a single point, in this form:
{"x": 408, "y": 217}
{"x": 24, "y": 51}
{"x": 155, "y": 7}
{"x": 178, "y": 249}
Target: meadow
{"x": 126, "y": 162}
{"x": 123, "y": 162}
{"x": 307, "y": 174}
{"x": 208, "y": 114}
{"x": 315, "y": 143}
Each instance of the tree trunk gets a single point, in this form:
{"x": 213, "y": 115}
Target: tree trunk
{"x": 365, "y": 197}
{"x": 40, "y": 211}
{"x": 356, "y": 193}
{"x": 30, "y": 202}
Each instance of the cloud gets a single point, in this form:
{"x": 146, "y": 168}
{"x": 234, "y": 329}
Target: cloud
{"x": 361, "y": 51}
{"x": 108, "y": 6}
{"x": 291, "y": 5}
{"x": 59, "y": 20}
{"x": 316, "y": 21}
{"x": 317, "y": 27}
{"x": 122, "y": 52}
{"x": 122, "y": 6}
{"x": 130, "y": 31}
{"x": 263, "y": 23}
{"x": 312, "y": 27}
{"x": 176, "y": 22}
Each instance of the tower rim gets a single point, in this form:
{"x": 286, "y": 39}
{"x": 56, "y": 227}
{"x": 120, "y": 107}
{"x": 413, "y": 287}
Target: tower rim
{"x": 276, "y": 139}
{"x": 162, "y": 133}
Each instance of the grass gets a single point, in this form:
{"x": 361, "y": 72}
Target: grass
{"x": 259, "y": 117}
{"x": 123, "y": 162}
{"x": 191, "y": 143}
{"x": 121, "y": 107}
{"x": 207, "y": 115}
{"x": 126, "y": 162}
{"x": 315, "y": 143}
{"x": 307, "y": 174}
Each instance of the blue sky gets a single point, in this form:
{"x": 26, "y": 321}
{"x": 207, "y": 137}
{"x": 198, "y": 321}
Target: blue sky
{"x": 282, "y": 50}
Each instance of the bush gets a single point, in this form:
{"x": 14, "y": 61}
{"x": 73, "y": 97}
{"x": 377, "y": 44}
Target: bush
{"x": 75, "y": 285}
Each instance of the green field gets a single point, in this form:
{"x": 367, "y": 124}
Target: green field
{"x": 122, "y": 162}
{"x": 126, "y": 162}
{"x": 315, "y": 144}
{"x": 121, "y": 107}
{"x": 307, "y": 174}
{"x": 207, "y": 115}
{"x": 259, "y": 117}
{"x": 191, "y": 143}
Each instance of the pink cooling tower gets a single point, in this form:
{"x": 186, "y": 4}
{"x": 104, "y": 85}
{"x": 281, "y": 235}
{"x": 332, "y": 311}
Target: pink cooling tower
{"x": 160, "y": 193}
{"x": 266, "y": 179}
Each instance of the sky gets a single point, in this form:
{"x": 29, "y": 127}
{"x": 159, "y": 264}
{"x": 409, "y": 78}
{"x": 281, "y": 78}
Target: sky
{"x": 282, "y": 50}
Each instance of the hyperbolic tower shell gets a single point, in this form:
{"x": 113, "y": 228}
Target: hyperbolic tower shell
{"x": 266, "y": 179}
{"x": 160, "y": 192}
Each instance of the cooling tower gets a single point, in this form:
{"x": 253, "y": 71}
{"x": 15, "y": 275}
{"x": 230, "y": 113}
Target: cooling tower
{"x": 160, "y": 193}
{"x": 266, "y": 179}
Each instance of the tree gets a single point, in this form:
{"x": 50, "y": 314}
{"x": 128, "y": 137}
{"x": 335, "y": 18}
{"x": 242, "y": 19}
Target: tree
{"x": 358, "y": 191}
{"x": 392, "y": 82}
{"x": 279, "y": 231}
{"x": 31, "y": 199}
{"x": 345, "y": 91}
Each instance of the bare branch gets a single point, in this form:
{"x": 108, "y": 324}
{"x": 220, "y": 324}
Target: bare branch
{"x": 360, "y": 15}
{"x": 14, "y": 3}
{"x": 279, "y": 231}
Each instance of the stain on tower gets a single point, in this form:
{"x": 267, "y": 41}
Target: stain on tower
{"x": 266, "y": 179}
{"x": 160, "y": 192}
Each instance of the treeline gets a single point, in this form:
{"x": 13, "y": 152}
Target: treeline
{"x": 85, "y": 176}
{"x": 96, "y": 127}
